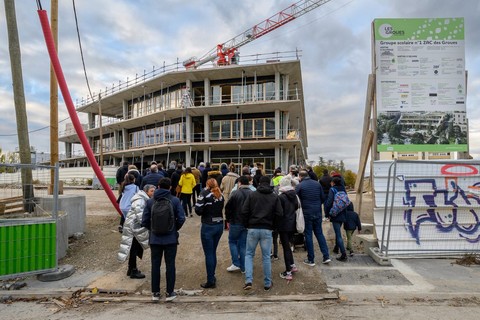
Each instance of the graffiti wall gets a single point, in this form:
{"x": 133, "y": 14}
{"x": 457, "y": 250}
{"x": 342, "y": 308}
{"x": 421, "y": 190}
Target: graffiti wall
{"x": 432, "y": 207}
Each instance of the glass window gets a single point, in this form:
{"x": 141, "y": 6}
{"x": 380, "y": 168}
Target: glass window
{"x": 270, "y": 91}
{"x": 226, "y": 129}
{"x": 248, "y": 128}
{"x": 160, "y": 135}
{"x": 270, "y": 128}
{"x": 236, "y": 127}
{"x": 214, "y": 130}
{"x": 260, "y": 93}
{"x": 216, "y": 95}
{"x": 236, "y": 94}
{"x": 259, "y": 126}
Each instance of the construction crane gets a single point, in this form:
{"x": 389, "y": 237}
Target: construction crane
{"x": 227, "y": 53}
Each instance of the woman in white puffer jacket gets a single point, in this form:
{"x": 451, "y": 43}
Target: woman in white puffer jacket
{"x": 134, "y": 237}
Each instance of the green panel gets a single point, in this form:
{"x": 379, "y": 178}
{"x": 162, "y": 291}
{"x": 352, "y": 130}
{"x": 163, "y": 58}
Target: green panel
{"x": 437, "y": 29}
{"x": 27, "y": 247}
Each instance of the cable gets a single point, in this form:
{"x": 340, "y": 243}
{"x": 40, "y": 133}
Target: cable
{"x": 81, "y": 50}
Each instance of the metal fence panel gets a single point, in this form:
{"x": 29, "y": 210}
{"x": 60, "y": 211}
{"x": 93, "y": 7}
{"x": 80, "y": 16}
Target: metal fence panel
{"x": 28, "y": 232}
{"x": 427, "y": 207}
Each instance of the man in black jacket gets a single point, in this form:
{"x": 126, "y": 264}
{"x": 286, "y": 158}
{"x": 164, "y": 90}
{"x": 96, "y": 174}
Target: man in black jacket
{"x": 121, "y": 172}
{"x": 260, "y": 213}
{"x": 237, "y": 236}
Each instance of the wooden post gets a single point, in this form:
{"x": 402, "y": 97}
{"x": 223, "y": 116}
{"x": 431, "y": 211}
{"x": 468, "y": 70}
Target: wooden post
{"x": 53, "y": 98}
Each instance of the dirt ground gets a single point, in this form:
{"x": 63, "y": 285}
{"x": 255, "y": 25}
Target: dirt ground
{"x": 98, "y": 248}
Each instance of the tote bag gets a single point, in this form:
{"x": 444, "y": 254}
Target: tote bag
{"x": 299, "y": 217}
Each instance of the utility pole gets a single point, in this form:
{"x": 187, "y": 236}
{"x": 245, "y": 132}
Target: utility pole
{"x": 53, "y": 98}
{"x": 20, "y": 106}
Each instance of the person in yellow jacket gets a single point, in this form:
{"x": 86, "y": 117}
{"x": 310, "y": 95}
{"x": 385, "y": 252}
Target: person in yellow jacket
{"x": 187, "y": 183}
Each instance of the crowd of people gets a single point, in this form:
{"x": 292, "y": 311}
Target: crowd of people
{"x": 254, "y": 208}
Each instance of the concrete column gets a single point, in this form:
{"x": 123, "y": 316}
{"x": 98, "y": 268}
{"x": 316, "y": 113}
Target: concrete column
{"x": 207, "y": 91}
{"x": 286, "y": 79}
{"x": 206, "y": 127}
{"x": 115, "y": 140}
{"x": 68, "y": 150}
{"x": 205, "y": 155}
{"x": 277, "y": 86}
{"x": 124, "y": 139}
{"x": 277, "y": 157}
{"x": 277, "y": 125}
{"x": 125, "y": 109}
{"x": 286, "y": 120}
{"x": 91, "y": 120}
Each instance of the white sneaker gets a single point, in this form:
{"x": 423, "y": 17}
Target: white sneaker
{"x": 233, "y": 268}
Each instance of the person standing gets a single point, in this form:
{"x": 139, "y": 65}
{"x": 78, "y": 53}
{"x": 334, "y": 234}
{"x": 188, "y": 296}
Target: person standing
{"x": 325, "y": 181}
{"x": 237, "y": 236}
{"x": 128, "y": 189}
{"x": 198, "y": 186}
{"x": 260, "y": 213}
{"x": 121, "y": 172}
{"x": 187, "y": 183}
{"x": 311, "y": 173}
{"x": 153, "y": 176}
{"x": 311, "y": 196}
{"x": 175, "y": 177}
{"x": 228, "y": 182}
{"x": 164, "y": 245}
{"x": 287, "y": 225}
{"x": 351, "y": 224}
{"x": 209, "y": 206}
{"x": 135, "y": 237}
{"x": 339, "y": 218}
{"x": 205, "y": 172}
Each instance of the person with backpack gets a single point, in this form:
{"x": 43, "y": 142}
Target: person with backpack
{"x": 209, "y": 206}
{"x": 237, "y": 236}
{"x": 336, "y": 208}
{"x": 163, "y": 216}
{"x": 135, "y": 237}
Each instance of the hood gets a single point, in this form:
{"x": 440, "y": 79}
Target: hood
{"x": 286, "y": 189}
{"x": 264, "y": 189}
{"x": 140, "y": 195}
{"x": 188, "y": 176}
{"x": 233, "y": 174}
{"x": 214, "y": 172}
{"x": 290, "y": 194}
{"x": 161, "y": 193}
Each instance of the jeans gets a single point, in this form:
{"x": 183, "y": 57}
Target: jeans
{"x": 264, "y": 237}
{"x": 338, "y": 236}
{"x": 170, "y": 252}
{"x": 313, "y": 225}
{"x": 186, "y": 199}
{"x": 285, "y": 237}
{"x": 210, "y": 235}
{"x": 237, "y": 241}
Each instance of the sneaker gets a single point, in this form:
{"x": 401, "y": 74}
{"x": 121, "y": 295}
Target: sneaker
{"x": 233, "y": 268}
{"x": 247, "y": 286}
{"x": 156, "y": 296}
{"x": 309, "y": 263}
{"x": 274, "y": 257}
{"x": 269, "y": 287}
{"x": 286, "y": 275}
{"x": 351, "y": 253}
{"x": 136, "y": 274}
{"x": 294, "y": 268}
{"x": 342, "y": 258}
{"x": 208, "y": 285}
{"x": 170, "y": 297}
{"x": 326, "y": 260}
{"x": 335, "y": 250}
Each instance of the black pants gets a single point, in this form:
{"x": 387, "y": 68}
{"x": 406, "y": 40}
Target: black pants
{"x": 275, "y": 243}
{"x": 285, "y": 238}
{"x": 135, "y": 250}
{"x": 157, "y": 252}
{"x": 196, "y": 192}
{"x": 186, "y": 199}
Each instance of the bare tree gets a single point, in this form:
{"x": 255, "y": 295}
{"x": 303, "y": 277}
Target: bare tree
{"x": 20, "y": 107}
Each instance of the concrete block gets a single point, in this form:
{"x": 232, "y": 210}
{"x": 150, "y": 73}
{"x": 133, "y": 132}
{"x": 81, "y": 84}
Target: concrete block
{"x": 368, "y": 228}
{"x": 379, "y": 257}
{"x": 62, "y": 235}
{"x": 75, "y": 208}
{"x": 367, "y": 240}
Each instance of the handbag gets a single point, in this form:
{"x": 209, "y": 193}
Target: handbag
{"x": 178, "y": 190}
{"x": 300, "y": 221}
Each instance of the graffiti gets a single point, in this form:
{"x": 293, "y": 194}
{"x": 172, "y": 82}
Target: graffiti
{"x": 450, "y": 208}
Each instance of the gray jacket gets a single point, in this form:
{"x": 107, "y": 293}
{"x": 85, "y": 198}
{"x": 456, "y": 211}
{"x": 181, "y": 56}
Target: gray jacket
{"x": 132, "y": 228}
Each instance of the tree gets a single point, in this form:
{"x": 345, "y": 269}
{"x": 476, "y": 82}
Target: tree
{"x": 19, "y": 98}
{"x": 349, "y": 178}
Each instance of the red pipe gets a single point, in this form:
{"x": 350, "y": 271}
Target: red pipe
{"x": 71, "y": 108}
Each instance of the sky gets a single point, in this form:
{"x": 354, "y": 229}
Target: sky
{"x": 121, "y": 38}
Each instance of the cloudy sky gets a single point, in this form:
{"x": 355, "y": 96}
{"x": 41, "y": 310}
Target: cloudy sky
{"x": 121, "y": 38}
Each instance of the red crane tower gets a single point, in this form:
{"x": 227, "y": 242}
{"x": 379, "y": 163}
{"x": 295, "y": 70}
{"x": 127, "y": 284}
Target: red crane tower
{"x": 227, "y": 53}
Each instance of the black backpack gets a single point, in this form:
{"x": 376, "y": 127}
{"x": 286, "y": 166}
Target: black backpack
{"x": 163, "y": 217}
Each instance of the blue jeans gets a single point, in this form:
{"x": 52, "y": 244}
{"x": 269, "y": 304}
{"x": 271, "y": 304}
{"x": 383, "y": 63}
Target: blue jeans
{"x": 338, "y": 236}
{"x": 237, "y": 241}
{"x": 264, "y": 237}
{"x": 210, "y": 235}
{"x": 313, "y": 225}
{"x": 170, "y": 252}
